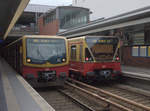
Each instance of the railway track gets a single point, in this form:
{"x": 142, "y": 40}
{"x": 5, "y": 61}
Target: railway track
{"x": 61, "y": 100}
{"x": 137, "y": 95}
{"x": 115, "y": 98}
{"x": 84, "y": 99}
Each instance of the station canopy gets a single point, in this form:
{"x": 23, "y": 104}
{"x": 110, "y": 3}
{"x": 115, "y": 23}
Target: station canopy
{"x": 10, "y": 11}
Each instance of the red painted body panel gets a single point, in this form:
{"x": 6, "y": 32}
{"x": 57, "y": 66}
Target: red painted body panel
{"x": 84, "y": 67}
{"x": 34, "y": 70}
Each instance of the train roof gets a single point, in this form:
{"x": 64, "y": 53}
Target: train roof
{"x": 42, "y": 36}
{"x": 36, "y": 36}
{"x": 82, "y": 37}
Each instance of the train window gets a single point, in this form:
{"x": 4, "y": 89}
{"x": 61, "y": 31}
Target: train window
{"x": 73, "y": 52}
{"x": 46, "y": 50}
{"x": 143, "y": 51}
{"x": 135, "y": 51}
{"x": 147, "y": 34}
{"x": 20, "y": 49}
{"x": 81, "y": 47}
{"x": 138, "y": 38}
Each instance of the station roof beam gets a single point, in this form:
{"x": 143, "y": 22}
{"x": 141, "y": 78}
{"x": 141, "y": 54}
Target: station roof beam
{"x": 10, "y": 11}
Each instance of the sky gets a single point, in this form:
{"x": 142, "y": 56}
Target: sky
{"x": 51, "y": 2}
{"x": 100, "y": 8}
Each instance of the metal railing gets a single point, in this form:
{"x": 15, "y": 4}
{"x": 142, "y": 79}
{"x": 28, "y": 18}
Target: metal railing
{"x": 24, "y": 30}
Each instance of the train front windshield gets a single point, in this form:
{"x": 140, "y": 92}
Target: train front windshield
{"x": 45, "y": 50}
{"x": 102, "y": 48}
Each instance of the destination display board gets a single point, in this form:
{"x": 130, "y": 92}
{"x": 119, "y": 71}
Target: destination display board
{"x": 45, "y": 41}
{"x": 102, "y": 41}
{"x": 102, "y": 48}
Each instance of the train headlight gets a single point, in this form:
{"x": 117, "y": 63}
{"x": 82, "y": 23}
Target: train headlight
{"x": 63, "y": 59}
{"x": 28, "y": 60}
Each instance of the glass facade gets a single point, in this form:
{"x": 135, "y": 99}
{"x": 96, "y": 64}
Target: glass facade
{"x": 49, "y": 17}
{"x": 70, "y": 17}
{"x": 141, "y": 51}
{"x": 135, "y": 51}
{"x": 67, "y": 16}
{"x": 138, "y": 38}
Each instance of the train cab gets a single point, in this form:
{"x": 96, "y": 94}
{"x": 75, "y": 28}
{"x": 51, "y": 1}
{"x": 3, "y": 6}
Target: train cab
{"x": 41, "y": 59}
{"x": 94, "y": 57}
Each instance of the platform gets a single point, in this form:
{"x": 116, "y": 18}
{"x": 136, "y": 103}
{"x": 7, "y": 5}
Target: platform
{"x": 136, "y": 72}
{"x": 16, "y": 94}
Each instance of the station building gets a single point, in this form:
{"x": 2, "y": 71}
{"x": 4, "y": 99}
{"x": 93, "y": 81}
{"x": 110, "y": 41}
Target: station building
{"x": 62, "y": 18}
{"x": 27, "y": 23}
{"x": 133, "y": 28}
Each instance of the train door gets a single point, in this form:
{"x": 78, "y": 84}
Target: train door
{"x": 78, "y": 61}
{"x": 14, "y": 59}
{"x": 19, "y": 57}
{"x": 73, "y": 57}
{"x": 21, "y": 51}
{"x": 76, "y": 57}
{"x": 81, "y": 59}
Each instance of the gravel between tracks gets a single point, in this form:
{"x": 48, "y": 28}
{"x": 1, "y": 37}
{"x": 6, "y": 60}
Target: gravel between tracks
{"x": 58, "y": 101}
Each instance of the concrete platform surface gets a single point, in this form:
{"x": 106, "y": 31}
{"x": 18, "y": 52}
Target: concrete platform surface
{"x": 136, "y": 72}
{"x": 16, "y": 94}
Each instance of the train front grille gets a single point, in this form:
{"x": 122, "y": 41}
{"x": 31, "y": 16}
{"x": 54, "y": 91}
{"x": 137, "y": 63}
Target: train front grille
{"x": 46, "y": 76}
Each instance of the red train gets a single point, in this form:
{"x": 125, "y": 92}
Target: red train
{"x": 42, "y": 60}
{"x": 94, "y": 58}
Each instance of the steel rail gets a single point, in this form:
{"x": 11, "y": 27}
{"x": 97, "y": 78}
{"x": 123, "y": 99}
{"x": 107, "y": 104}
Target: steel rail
{"x": 113, "y": 95}
{"x": 100, "y": 98}
{"x": 77, "y": 101}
